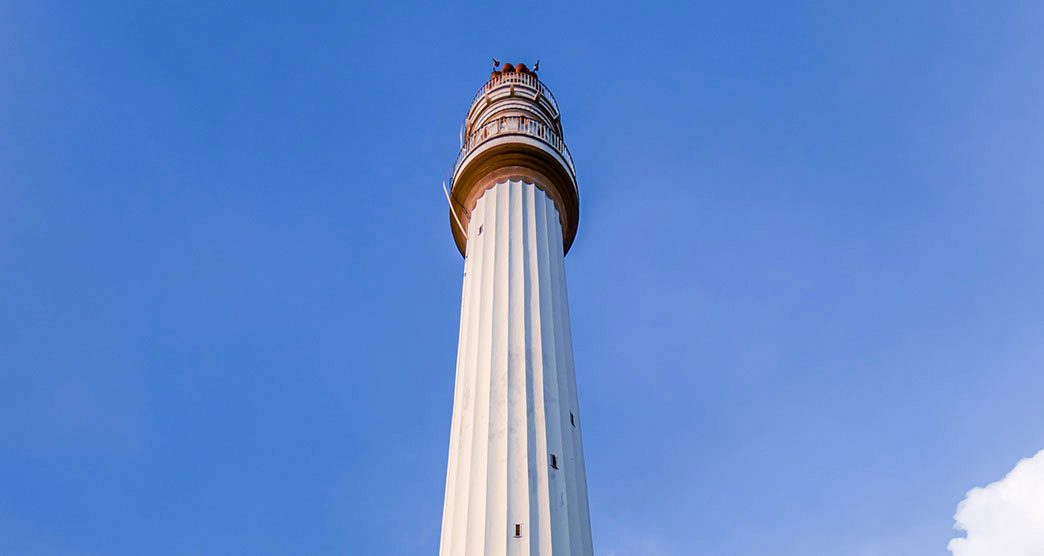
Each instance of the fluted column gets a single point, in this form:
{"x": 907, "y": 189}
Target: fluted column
{"x": 515, "y": 402}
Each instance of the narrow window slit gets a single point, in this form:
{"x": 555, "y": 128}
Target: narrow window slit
{"x": 554, "y": 461}
{"x": 572, "y": 419}
{"x": 518, "y": 530}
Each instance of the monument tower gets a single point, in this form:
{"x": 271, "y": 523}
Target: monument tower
{"x": 515, "y": 483}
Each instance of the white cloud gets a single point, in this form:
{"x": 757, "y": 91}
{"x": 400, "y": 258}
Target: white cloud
{"x": 1005, "y": 518}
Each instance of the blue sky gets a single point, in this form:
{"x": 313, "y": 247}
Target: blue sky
{"x": 807, "y": 290}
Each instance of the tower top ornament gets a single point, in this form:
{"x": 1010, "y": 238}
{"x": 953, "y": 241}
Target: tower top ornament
{"x": 520, "y": 68}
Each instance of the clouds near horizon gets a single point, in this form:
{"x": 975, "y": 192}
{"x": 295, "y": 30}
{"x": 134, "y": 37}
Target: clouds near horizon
{"x": 1005, "y": 517}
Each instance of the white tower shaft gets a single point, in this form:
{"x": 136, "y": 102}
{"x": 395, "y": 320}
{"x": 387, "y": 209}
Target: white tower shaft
{"x": 515, "y": 483}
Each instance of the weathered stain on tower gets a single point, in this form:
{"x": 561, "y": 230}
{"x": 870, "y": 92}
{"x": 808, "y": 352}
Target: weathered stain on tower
{"x": 515, "y": 483}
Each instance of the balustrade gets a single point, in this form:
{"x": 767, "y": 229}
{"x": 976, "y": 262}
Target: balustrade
{"x": 514, "y": 125}
{"x": 525, "y": 79}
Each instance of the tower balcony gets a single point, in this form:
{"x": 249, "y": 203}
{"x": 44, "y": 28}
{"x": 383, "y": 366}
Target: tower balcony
{"x": 513, "y": 130}
{"x": 504, "y": 85}
{"x": 498, "y": 131}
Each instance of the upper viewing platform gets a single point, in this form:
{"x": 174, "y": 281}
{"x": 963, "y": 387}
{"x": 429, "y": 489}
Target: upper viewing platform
{"x": 513, "y": 101}
{"x": 514, "y": 127}
{"x": 509, "y": 81}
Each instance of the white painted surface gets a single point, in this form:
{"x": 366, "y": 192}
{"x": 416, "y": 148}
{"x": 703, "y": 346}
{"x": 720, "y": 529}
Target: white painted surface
{"x": 515, "y": 390}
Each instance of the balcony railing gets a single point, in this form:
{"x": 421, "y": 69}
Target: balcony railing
{"x": 525, "y": 79}
{"x": 514, "y": 125}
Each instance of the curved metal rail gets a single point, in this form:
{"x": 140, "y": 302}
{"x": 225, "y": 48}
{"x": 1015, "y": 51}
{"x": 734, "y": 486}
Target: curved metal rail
{"x": 526, "y": 79}
{"x": 514, "y": 125}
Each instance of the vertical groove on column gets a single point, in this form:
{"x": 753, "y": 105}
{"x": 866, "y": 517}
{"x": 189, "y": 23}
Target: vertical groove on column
{"x": 564, "y": 390}
{"x": 556, "y": 492}
{"x": 540, "y": 507}
{"x": 480, "y": 319}
{"x": 496, "y": 478}
{"x": 532, "y": 525}
{"x": 455, "y": 539}
{"x": 518, "y": 483}
{"x": 585, "y": 544}
{"x": 459, "y": 404}
{"x": 476, "y": 514}
{"x": 477, "y": 354}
